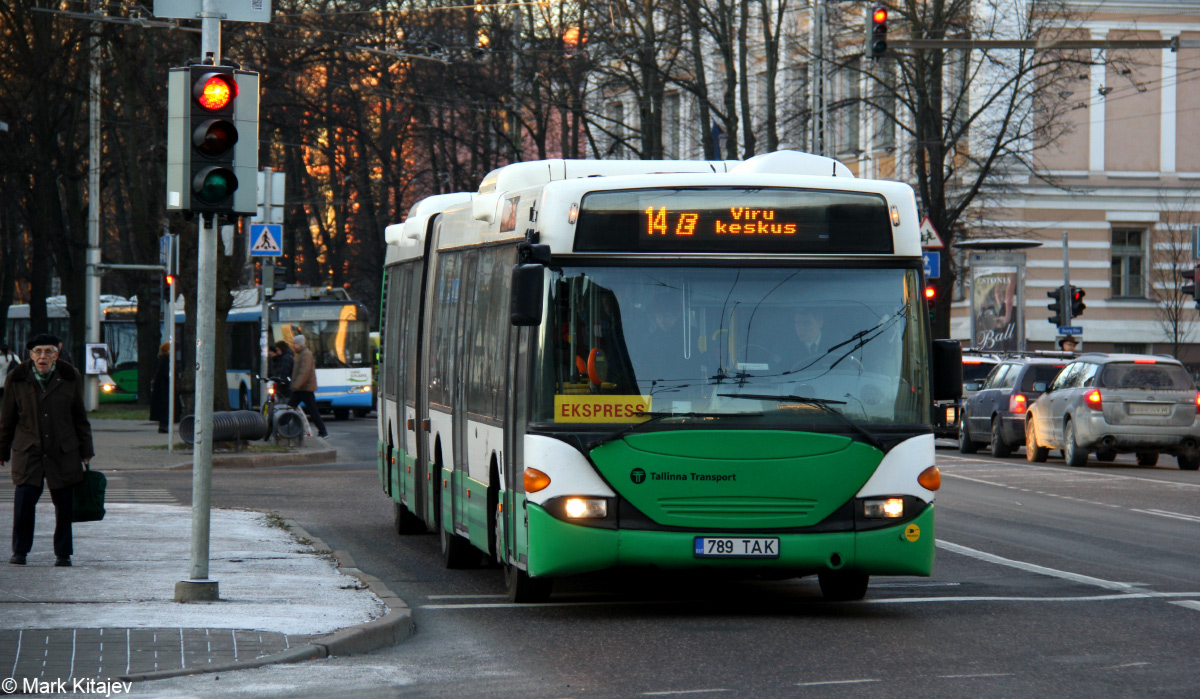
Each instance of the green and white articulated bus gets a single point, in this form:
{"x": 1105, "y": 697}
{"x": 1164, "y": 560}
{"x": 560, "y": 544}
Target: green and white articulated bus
{"x": 664, "y": 364}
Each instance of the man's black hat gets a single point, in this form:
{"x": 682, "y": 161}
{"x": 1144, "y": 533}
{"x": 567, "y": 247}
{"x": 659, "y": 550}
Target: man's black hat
{"x": 43, "y": 339}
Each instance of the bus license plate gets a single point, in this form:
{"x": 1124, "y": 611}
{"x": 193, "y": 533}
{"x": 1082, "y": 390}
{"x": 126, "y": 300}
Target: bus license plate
{"x": 736, "y": 547}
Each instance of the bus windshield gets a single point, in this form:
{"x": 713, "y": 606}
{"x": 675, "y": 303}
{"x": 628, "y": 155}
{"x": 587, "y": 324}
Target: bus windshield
{"x": 744, "y": 344}
{"x": 337, "y": 334}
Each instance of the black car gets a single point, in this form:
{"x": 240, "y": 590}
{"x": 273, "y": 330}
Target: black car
{"x": 996, "y": 413}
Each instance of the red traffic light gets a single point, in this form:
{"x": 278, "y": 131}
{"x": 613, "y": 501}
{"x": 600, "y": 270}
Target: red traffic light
{"x": 930, "y": 293}
{"x": 169, "y": 279}
{"x": 215, "y": 91}
{"x": 879, "y": 16}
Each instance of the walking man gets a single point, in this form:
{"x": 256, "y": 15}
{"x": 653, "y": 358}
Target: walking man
{"x": 45, "y": 432}
{"x": 304, "y": 383}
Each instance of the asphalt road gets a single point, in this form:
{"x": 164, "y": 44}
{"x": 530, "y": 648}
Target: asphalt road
{"x": 1050, "y": 581}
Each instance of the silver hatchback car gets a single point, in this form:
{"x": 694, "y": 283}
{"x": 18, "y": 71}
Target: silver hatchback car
{"x": 1117, "y": 403}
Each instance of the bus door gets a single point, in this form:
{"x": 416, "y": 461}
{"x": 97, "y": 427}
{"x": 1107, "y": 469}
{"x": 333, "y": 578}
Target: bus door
{"x": 466, "y": 333}
{"x": 514, "y": 534}
{"x": 423, "y": 504}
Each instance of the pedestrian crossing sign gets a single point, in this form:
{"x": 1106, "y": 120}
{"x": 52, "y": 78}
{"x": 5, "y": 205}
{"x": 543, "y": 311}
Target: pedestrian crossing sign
{"x": 266, "y": 240}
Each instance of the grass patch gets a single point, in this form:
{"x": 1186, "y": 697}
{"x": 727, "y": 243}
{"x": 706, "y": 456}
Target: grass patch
{"x": 121, "y": 411}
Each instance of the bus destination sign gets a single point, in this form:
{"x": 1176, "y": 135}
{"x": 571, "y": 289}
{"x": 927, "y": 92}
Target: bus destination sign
{"x": 733, "y": 219}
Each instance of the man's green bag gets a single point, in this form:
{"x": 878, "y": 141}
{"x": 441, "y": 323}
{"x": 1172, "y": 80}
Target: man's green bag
{"x": 88, "y": 498}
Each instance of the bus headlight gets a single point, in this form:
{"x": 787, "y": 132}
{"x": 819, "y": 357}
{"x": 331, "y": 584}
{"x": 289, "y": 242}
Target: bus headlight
{"x": 889, "y": 508}
{"x": 108, "y": 387}
{"x": 586, "y": 508}
{"x": 360, "y": 389}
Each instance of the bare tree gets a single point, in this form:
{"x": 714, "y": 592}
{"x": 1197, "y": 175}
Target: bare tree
{"x": 1172, "y": 254}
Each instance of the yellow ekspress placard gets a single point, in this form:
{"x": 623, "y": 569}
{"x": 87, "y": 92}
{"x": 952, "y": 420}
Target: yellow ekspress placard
{"x": 589, "y": 408}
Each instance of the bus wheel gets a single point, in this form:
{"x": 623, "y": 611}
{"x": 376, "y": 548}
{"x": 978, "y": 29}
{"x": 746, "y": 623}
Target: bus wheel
{"x": 843, "y": 585}
{"x": 406, "y": 522}
{"x": 523, "y": 589}
{"x": 457, "y": 552}
{"x": 243, "y": 399}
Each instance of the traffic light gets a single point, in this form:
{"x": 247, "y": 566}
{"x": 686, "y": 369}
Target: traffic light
{"x": 1077, "y": 304}
{"x": 1058, "y": 307}
{"x": 168, "y": 282}
{"x": 876, "y": 32}
{"x": 1190, "y": 288}
{"x": 930, "y": 300}
{"x": 212, "y": 140}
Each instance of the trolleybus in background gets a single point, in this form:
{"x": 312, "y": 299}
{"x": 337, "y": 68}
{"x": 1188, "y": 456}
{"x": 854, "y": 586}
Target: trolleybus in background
{"x": 117, "y": 330}
{"x": 674, "y": 365}
{"x": 335, "y": 329}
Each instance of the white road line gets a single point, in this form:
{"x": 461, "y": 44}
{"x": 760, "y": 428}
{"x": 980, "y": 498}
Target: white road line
{"x": 467, "y": 597}
{"x": 517, "y": 605}
{"x": 1072, "y": 472}
{"x": 968, "y": 677}
{"x": 1172, "y": 515}
{"x": 1189, "y": 605}
{"x": 821, "y": 684}
{"x": 1034, "y": 568}
{"x": 684, "y": 691}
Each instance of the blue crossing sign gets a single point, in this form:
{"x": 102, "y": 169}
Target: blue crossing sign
{"x": 933, "y": 264}
{"x": 266, "y": 240}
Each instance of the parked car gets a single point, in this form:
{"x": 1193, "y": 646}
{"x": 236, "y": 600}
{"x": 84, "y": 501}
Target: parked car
{"x": 996, "y": 413}
{"x": 977, "y": 366}
{"x": 1118, "y": 403}
{"x": 946, "y": 413}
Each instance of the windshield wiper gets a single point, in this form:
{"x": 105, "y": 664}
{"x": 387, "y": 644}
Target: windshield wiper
{"x": 655, "y": 417}
{"x": 823, "y": 404}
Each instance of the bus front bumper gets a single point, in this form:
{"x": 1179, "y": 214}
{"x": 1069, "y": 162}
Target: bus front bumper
{"x": 561, "y": 548}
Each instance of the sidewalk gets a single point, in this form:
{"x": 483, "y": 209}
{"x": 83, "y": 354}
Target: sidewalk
{"x": 112, "y": 615}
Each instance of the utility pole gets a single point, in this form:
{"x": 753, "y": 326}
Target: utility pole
{"x": 198, "y": 587}
{"x": 91, "y": 312}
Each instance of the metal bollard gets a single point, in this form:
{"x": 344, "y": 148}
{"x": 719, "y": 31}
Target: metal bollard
{"x": 229, "y": 425}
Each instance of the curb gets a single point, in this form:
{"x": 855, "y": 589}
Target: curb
{"x": 301, "y": 458}
{"x": 388, "y": 630}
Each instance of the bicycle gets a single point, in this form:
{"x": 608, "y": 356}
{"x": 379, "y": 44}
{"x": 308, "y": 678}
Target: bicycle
{"x": 274, "y": 407}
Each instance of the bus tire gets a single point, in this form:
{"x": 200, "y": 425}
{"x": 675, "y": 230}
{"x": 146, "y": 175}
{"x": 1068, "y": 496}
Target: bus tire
{"x": 843, "y": 585}
{"x": 243, "y": 398}
{"x": 523, "y": 589}
{"x": 405, "y": 521}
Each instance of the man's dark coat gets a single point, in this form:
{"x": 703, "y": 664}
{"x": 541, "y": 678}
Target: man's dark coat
{"x": 54, "y": 446}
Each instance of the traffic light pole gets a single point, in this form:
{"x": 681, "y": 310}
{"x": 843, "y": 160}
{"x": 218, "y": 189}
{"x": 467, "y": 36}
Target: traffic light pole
{"x": 198, "y": 587}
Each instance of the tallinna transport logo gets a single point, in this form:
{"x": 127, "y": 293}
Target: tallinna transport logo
{"x": 637, "y": 475}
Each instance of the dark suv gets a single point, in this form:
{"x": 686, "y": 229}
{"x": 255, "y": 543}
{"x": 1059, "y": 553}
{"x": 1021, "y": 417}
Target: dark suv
{"x": 996, "y": 412}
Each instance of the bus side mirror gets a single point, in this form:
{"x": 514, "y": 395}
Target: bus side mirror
{"x": 947, "y": 370}
{"x": 527, "y": 285}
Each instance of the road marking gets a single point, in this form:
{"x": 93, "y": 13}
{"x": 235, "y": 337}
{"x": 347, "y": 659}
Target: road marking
{"x": 467, "y": 596}
{"x": 1067, "y": 470}
{"x": 1189, "y": 605}
{"x": 967, "y": 677}
{"x": 1034, "y": 568}
{"x": 1172, "y": 515}
{"x": 821, "y": 684}
{"x": 535, "y": 605}
{"x": 684, "y": 691}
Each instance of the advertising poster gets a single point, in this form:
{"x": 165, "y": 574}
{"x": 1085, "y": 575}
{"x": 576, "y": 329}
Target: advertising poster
{"x": 997, "y": 314}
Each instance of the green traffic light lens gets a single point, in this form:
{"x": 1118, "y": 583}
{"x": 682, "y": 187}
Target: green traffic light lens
{"x": 213, "y": 184}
